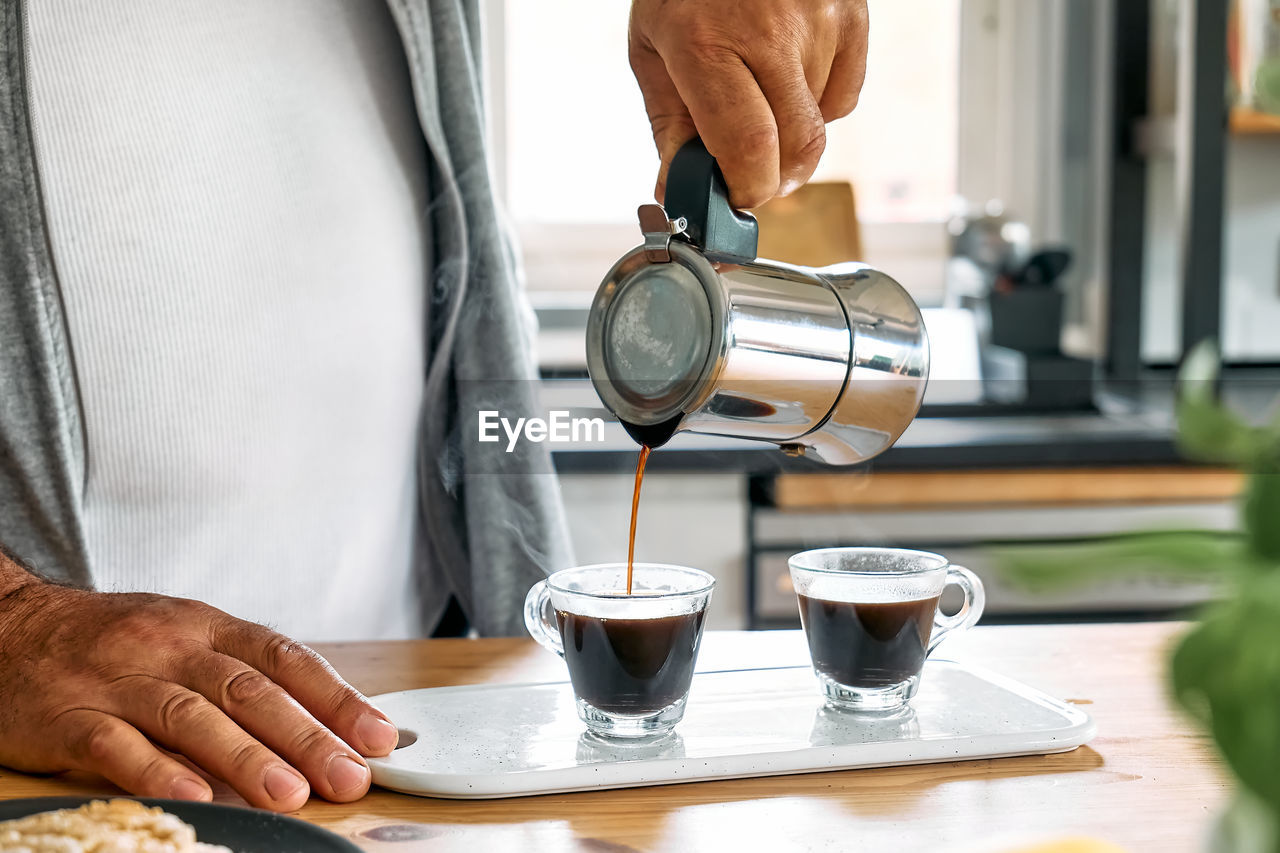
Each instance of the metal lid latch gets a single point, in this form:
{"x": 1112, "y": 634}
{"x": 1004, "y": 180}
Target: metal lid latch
{"x": 658, "y": 231}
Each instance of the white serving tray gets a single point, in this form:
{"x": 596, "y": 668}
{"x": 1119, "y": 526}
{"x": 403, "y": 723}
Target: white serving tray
{"x": 511, "y": 740}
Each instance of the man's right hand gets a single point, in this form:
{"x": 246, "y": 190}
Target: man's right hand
{"x": 105, "y": 682}
{"x": 756, "y": 79}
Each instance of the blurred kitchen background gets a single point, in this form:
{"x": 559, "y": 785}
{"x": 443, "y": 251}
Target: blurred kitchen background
{"x": 1077, "y": 191}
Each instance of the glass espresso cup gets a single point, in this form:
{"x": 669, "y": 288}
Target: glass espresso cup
{"x": 871, "y": 617}
{"x": 630, "y": 657}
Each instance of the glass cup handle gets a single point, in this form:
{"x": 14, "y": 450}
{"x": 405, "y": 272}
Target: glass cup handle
{"x": 975, "y": 598}
{"x": 540, "y": 621}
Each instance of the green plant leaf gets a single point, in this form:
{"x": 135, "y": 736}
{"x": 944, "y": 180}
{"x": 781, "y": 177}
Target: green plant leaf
{"x": 1261, "y": 514}
{"x": 1187, "y": 554}
{"x": 1208, "y": 431}
{"x": 1200, "y": 369}
{"x": 1226, "y": 672}
{"x": 1266, "y": 84}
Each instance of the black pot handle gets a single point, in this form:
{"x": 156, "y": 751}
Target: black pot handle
{"x": 696, "y": 191}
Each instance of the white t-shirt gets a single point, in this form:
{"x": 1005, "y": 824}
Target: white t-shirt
{"x": 236, "y": 197}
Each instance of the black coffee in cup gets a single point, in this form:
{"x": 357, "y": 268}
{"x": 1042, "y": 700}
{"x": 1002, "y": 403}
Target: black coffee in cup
{"x": 868, "y": 645}
{"x": 630, "y": 657}
{"x": 630, "y": 666}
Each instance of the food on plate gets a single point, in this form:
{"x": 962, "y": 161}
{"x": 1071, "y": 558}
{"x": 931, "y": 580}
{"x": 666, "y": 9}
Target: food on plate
{"x": 102, "y": 826}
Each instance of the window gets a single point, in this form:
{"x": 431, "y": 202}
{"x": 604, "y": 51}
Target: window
{"x": 578, "y": 148}
{"x": 898, "y": 148}
{"x": 575, "y": 156}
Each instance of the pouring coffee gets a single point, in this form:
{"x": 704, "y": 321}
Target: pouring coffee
{"x": 691, "y": 332}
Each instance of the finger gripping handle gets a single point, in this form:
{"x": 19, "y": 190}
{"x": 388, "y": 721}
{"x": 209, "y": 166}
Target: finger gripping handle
{"x": 696, "y": 190}
{"x": 540, "y": 619}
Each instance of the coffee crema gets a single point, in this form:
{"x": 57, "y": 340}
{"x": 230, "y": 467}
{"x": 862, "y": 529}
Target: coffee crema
{"x": 868, "y": 645}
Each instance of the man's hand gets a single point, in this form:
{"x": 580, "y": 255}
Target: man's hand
{"x": 105, "y": 682}
{"x": 756, "y": 79}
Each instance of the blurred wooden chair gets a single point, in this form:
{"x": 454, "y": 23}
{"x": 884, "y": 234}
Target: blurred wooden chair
{"x": 815, "y": 226}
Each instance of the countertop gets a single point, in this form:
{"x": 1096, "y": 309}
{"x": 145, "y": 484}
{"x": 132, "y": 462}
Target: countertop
{"x": 1149, "y": 781}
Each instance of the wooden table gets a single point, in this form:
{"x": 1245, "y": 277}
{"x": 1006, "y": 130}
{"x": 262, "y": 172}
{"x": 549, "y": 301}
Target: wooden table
{"x": 1149, "y": 781}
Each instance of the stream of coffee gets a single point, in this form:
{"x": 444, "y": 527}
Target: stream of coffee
{"x": 635, "y": 506}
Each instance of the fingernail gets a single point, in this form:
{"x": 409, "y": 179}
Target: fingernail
{"x": 345, "y": 774}
{"x": 189, "y": 789}
{"x": 788, "y": 187}
{"x": 282, "y": 784}
{"x": 378, "y": 736}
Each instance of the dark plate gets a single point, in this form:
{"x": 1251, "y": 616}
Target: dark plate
{"x": 242, "y": 829}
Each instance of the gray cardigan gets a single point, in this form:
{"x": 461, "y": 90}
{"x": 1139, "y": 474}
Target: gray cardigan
{"x": 495, "y": 523}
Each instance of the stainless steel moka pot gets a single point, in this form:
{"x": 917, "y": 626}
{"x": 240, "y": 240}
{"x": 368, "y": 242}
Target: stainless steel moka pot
{"x": 690, "y": 332}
